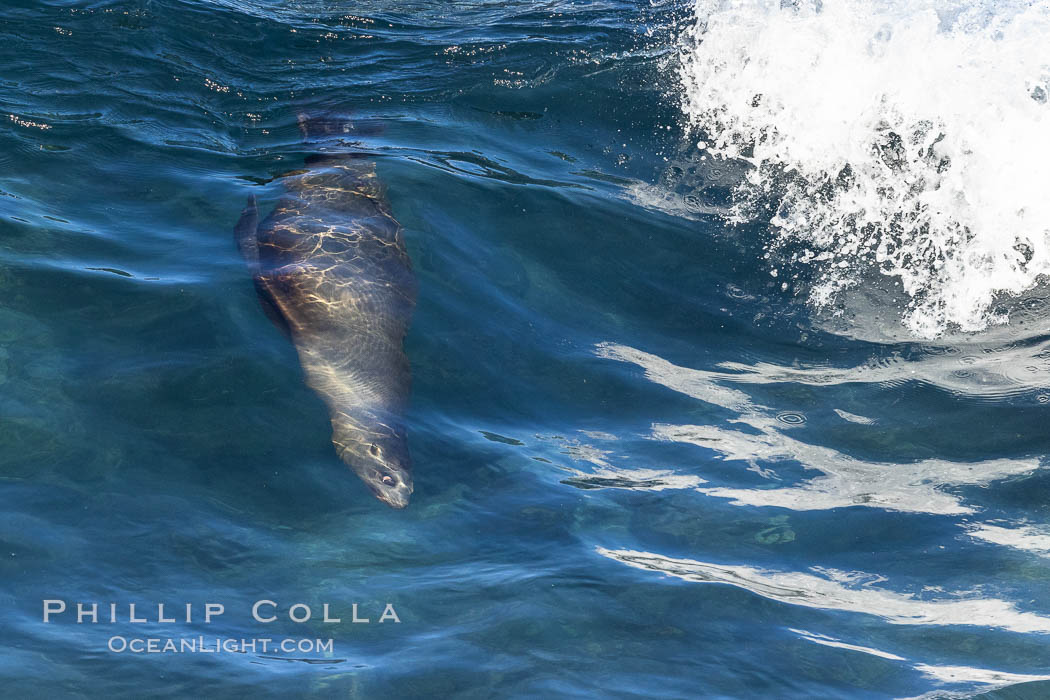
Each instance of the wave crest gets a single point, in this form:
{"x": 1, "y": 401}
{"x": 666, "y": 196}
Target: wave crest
{"x": 903, "y": 138}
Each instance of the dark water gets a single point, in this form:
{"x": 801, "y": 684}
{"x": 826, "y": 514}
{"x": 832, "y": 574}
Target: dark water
{"x": 641, "y": 468}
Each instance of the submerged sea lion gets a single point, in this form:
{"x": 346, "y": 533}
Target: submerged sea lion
{"x": 331, "y": 270}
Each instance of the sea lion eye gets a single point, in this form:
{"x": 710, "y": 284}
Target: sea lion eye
{"x": 373, "y": 450}
{"x": 388, "y": 480}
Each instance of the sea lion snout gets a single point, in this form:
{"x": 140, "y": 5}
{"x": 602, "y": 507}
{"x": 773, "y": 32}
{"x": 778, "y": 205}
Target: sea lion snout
{"x": 381, "y": 461}
{"x": 389, "y": 472}
{"x": 393, "y": 492}
{"x": 390, "y": 482}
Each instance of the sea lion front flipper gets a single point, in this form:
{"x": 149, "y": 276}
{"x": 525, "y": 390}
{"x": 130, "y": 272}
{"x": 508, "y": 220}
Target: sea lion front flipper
{"x": 245, "y": 233}
{"x": 270, "y": 308}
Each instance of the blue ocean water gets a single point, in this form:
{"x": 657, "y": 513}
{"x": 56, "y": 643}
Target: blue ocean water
{"x": 643, "y": 467}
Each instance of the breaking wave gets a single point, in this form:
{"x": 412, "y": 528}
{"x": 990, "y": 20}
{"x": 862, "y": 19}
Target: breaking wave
{"x": 898, "y": 143}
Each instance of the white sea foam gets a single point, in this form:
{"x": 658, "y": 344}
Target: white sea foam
{"x": 904, "y": 137}
{"x": 827, "y": 641}
{"x": 917, "y": 487}
{"x": 1029, "y": 538}
{"x": 822, "y": 590}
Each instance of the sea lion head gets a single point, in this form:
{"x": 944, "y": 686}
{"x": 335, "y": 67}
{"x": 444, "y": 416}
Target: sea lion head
{"x": 379, "y": 456}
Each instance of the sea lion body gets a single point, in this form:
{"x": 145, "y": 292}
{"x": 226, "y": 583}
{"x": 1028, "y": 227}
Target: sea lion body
{"x": 332, "y": 271}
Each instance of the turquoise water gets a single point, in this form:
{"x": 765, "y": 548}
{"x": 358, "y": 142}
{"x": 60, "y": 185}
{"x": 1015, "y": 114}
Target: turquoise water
{"x": 643, "y": 468}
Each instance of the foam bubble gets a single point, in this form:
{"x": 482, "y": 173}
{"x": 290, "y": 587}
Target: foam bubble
{"x": 903, "y": 137}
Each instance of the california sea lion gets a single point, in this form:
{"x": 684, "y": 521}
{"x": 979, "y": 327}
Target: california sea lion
{"x": 331, "y": 270}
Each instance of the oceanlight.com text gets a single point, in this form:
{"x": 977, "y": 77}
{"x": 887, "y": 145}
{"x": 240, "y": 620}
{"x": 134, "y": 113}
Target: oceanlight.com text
{"x": 217, "y": 645}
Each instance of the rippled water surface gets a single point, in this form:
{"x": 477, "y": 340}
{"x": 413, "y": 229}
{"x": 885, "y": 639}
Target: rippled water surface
{"x": 678, "y": 429}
